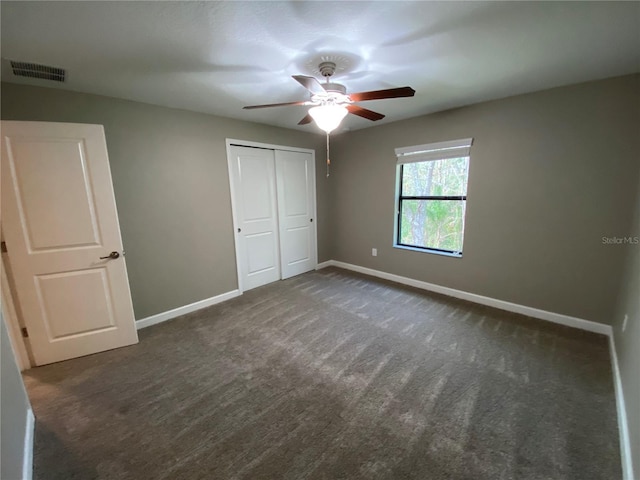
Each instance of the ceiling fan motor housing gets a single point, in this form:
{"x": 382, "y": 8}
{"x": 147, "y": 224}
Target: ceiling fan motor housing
{"x": 335, "y": 88}
{"x": 337, "y": 92}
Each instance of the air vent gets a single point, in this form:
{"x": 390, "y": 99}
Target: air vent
{"x": 33, "y": 70}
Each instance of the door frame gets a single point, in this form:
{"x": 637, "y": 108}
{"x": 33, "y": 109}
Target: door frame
{"x": 20, "y": 345}
{"x": 229, "y": 142}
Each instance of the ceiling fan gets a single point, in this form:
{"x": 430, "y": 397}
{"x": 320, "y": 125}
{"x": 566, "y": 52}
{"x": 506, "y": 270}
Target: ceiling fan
{"x": 330, "y": 101}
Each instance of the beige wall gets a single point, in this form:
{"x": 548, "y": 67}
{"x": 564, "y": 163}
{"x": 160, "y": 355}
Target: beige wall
{"x": 628, "y": 342}
{"x": 171, "y": 184}
{"x": 551, "y": 173}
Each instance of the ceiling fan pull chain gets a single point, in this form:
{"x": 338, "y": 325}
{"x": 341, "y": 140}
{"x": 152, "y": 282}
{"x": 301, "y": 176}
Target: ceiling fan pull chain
{"x": 328, "y": 161}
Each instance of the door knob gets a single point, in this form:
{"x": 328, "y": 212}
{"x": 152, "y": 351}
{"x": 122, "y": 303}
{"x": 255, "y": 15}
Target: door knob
{"x": 111, "y": 256}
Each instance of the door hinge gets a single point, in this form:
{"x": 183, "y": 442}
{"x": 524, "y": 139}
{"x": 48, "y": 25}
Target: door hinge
{"x": 3, "y": 247}
{"x": 25, "y": 332}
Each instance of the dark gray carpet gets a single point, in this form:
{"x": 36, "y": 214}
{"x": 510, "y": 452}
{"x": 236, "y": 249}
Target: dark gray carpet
{"x": 333, "y": 375}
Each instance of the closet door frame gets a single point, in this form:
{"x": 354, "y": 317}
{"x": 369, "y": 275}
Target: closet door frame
{"x": 246, "y": 143}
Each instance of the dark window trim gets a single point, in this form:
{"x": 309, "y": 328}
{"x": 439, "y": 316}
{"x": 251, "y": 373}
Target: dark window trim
{"x": 428, "y": 249}
{"x": 418, "y": 197}
{"x": 434, "y": 197}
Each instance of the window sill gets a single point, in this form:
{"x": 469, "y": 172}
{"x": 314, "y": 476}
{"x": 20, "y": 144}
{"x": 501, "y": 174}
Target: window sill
{"x": 426, "y": 250}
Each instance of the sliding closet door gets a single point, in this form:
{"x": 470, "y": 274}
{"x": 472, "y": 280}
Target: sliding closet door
{"x": 254, "y": 192}
{"x": 295, "y": 175}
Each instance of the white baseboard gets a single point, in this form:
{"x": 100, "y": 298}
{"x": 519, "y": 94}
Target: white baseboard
{"x": 328, "y": 263}
{"x": 472, "y": 297}
{"x": 192, "y": 307}
{"x": 27, "y": 454}
{"x": 623, "y": 425}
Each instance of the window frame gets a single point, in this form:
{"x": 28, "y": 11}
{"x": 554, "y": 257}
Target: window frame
{"x": 431, "y": 153}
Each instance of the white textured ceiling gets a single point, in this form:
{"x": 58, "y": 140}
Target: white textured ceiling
{"x": 215, "y": 57}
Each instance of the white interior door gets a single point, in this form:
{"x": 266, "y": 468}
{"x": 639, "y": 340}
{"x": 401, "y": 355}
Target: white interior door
{"x": 296, "y": 207}
{"x": 59, "y": 217}
{"x": 254, "y": 191}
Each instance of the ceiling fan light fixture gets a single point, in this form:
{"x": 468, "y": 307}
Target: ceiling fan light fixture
{"x": 328, "y": 117}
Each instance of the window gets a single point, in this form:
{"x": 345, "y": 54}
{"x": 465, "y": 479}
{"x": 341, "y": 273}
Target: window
{"x": 432, "y": 196}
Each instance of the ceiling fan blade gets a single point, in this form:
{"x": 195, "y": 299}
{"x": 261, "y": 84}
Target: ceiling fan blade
{"x": 382, "y": 94}
{"x": 310, "y": 83}
{"x": 249, "y": 107}
{"x": 364, "y": 113}
{"x": 307, "y": 119}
